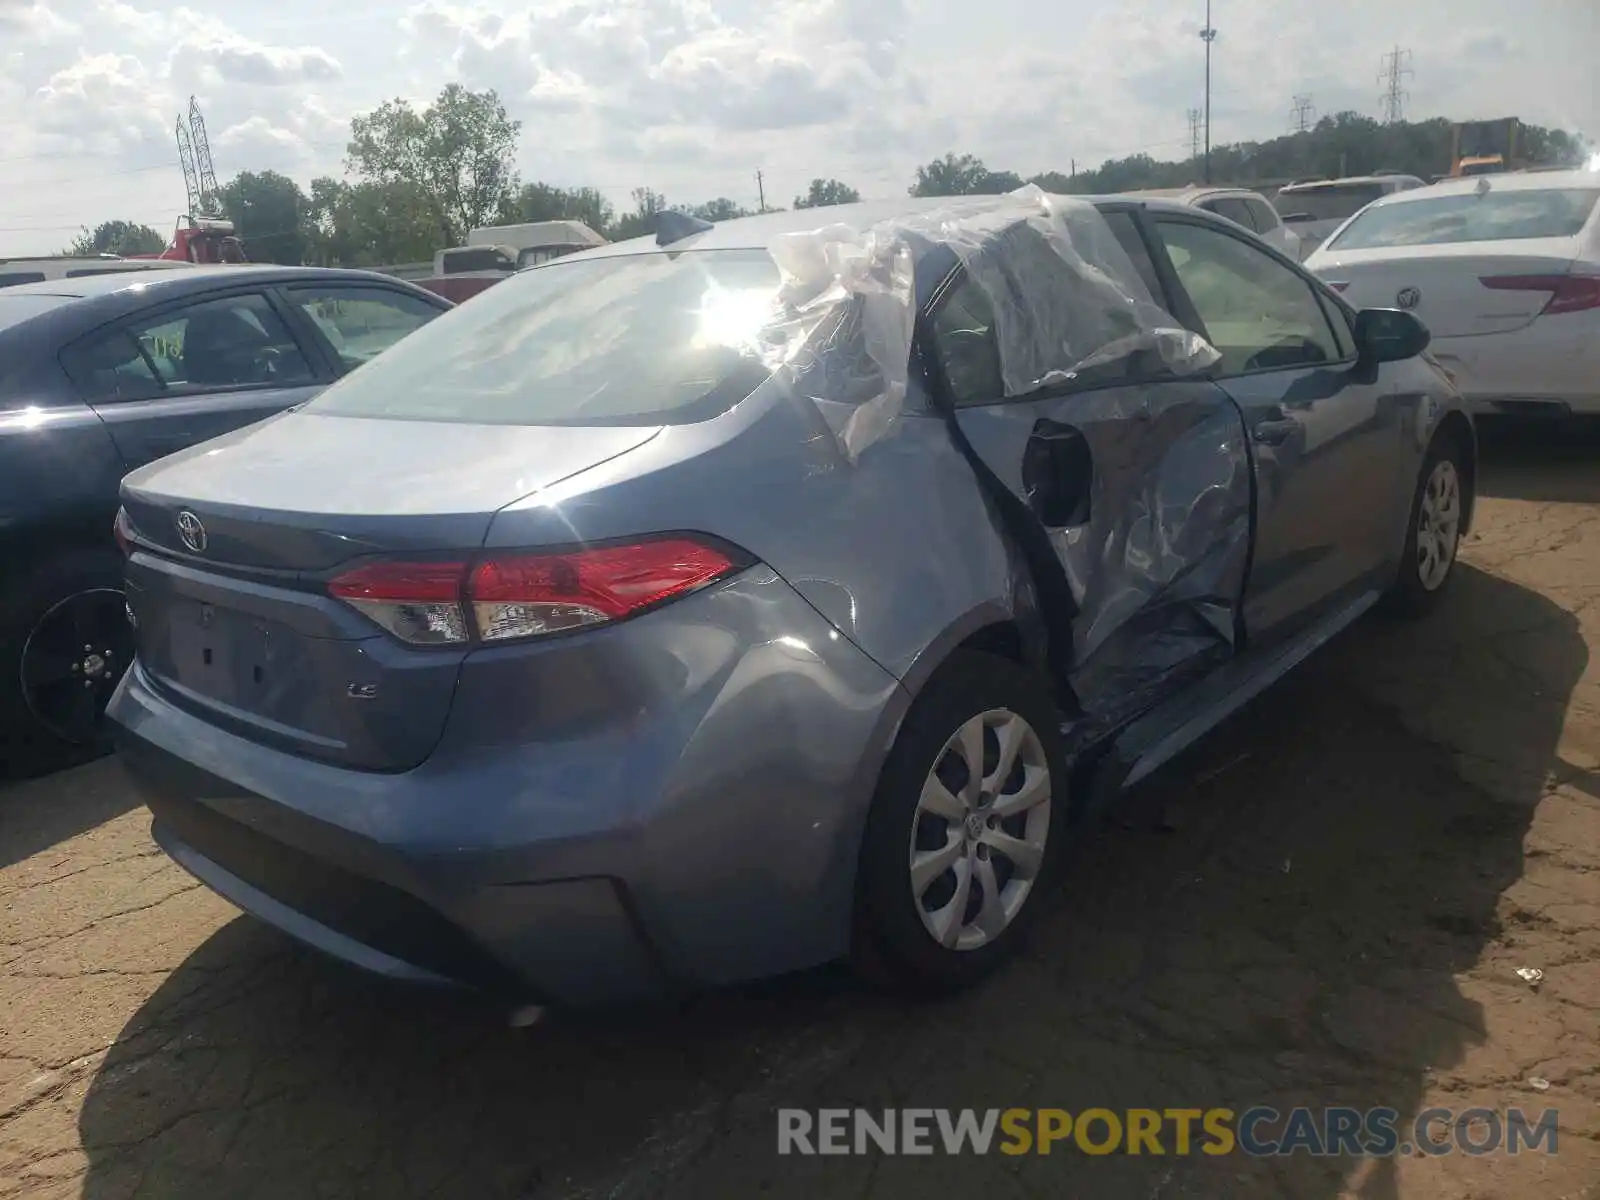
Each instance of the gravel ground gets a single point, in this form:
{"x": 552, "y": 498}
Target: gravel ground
{"x": 1327, "y": 903}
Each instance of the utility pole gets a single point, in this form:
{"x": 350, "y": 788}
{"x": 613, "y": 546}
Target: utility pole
{"x": 1396, "y": 68}
{"x": 1208, "y": 35}
{"x": 1194, "y": 134}
{"x": 1300, "y": 119}
{"x": 761, "y": 191}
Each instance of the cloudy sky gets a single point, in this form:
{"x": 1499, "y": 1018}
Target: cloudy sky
{"x": 693, "y": 97}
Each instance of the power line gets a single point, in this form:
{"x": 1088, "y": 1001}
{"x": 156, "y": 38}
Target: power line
{"x": 1396, "y": 68}
{"x": 1303, "y": 116}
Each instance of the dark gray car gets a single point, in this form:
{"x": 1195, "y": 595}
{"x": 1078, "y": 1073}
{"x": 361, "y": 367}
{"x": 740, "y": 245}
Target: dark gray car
{"x": 104, "y": 373}
{"x": 702, "y": 608}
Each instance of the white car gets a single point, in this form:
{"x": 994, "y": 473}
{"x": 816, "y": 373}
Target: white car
{"x": 1505, "y": 272}
{"x": 1239, "y": 205}
{"x": 1314, "y": 208}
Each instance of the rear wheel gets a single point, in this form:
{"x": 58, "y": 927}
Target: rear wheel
{"x": 966, "y": 830}
{"x": 1433, "y": 538}
{"x": 64, "y": 644}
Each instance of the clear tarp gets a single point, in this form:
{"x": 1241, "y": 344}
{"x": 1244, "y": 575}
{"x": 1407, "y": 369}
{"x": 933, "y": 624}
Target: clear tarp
{"x": 1080, "y": 304}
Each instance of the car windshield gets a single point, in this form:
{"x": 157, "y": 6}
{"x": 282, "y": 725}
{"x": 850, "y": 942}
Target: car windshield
{"x": 642, "y": 338}
{"x": 15, "y": 309}
{"x": 1472, "y": 217}
{"x": 1332, "y": 203}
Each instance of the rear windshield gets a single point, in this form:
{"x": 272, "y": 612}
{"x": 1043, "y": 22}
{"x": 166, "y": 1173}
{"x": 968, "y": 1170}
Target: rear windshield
{"x": 1333, "y": 203}
{"x": 15, "y": 309}
{"x": 1472, "y": 217}
{"x": 634, "y": 339}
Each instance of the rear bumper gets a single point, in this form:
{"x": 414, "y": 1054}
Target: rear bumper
{"x": 706, "y": 834}
{"x": 1551, "y": 366}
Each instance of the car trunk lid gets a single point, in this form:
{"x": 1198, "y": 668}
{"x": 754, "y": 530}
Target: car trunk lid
{"x": 234, "y": 545}
{"x": 1444, "y": 285}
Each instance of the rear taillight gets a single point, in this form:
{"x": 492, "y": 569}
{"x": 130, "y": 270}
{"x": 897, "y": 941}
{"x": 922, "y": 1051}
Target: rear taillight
{"x": 122, "y": 530}
{"x": 521, "y": 594}
{"x": 1339, "y": 285}
{"x": 1568, "y": 293}
{"x": 418, "y": 602}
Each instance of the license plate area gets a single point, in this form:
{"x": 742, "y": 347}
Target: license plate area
{"x": 239, "y": 659}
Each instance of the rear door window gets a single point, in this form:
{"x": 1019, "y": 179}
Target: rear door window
{"x": 969, "y": 350}
{"x": 361, "y": 322}
{"x": 12, "y": 278}
{"x": 1234, "y": 210}
{"x": 1266, "y": 220}
{"x": 1127, "y": 233}
{"x": 231, "y": 342}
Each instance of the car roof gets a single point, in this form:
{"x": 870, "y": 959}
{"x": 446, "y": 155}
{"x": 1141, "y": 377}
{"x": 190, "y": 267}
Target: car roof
{"x": 1514, "y": 181}
{"x": 1190, "y": 192}
{"x": 758, "y": 231}
{"x": 161, "y": 284}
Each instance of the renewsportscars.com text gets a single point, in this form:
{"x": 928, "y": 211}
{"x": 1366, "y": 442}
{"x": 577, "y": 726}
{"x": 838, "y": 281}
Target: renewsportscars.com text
{"x": 1258, "y": 1132}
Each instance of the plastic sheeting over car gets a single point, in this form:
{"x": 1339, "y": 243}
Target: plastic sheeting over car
{"x": 847, "y": 306}
{"x": 1150, "y": 557}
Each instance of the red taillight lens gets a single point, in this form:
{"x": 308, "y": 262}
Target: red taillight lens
{"x": 518, "y": 595}
{"x": 418, "y": 602}
{"x": 122, "y": 530}
{"x": 1568, "y": 293}
{"x": 525, "y": 595}
{"x": 1339, "y": 285}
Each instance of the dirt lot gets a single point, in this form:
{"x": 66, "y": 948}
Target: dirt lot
{"x": 1332, "y": 912}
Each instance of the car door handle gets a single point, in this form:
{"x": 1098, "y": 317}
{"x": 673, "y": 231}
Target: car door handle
{"x": 1274, "y": 428}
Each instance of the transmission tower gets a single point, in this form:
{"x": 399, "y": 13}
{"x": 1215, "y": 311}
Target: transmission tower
{"x": 209, "y": 205}
{"x": 1396, "y": 69}
{"x": 1303, "y": 115}
{"x": 191, "y": 181}
{"x": 1194, "y": 134}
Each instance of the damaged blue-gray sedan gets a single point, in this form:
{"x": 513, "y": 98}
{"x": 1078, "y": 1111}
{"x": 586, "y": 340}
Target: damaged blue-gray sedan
{"x": 713, "y": 605}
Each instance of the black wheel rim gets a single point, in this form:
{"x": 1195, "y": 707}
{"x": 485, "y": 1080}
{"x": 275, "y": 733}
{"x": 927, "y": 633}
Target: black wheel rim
{"x": 73, "y": 659}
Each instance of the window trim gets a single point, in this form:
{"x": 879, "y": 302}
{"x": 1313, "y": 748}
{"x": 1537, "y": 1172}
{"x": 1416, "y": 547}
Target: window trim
{"x": 1260, "y": 246}
{"x": 124, "y": 325}
{"x": 283, "y": 294}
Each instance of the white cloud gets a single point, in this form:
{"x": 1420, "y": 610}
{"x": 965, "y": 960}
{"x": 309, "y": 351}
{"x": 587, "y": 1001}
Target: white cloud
{"x": 692, "y": 97}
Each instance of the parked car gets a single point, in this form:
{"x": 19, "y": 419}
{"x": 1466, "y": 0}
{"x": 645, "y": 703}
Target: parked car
{"x": 1314, "y": 208}
{"x": 47, "y": 268}
{"x": 1505, "y": 272}
{"x": 101, "y": 374}
{"x": 688, "y": 622}
{"x": 1247, "y": 209}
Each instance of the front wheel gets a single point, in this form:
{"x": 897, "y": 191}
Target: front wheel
{"x": 966, "y": 830}
{"x": 1433, "y": 538}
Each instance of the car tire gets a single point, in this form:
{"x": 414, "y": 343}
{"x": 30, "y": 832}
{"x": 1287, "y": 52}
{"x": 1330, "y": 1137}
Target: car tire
{"x": 37, "y": 613}
{"x": 1433, "y": 534}
{"x": 987, "y": 856}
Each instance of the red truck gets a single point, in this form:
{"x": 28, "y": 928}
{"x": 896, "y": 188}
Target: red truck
{"x": 201, "y": 240}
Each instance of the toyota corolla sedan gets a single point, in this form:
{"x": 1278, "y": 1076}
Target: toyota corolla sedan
{"x": 717, "y": 604}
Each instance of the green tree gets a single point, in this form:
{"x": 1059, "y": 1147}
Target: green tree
{"x": 546, "y": 202}
{"x": 963, "y": 175}
{"x": 460, "y": 152}
{"x": 269, "y": 212}
{"x": 118, "y": 237}
{"x": 824, "y": 193}
{"x": 368, "y": 224}
{"x": 720, "y": 209}
{"x": 647, "y": 202}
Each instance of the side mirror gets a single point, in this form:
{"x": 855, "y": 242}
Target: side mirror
{"x": 1389, "y": 335}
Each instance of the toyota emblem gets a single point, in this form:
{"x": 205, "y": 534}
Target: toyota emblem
{"x": 191, "y": 531}
{"x": 1408, "y": 297}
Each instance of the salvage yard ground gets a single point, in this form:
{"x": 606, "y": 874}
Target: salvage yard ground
{"x": 1327, "y": 903}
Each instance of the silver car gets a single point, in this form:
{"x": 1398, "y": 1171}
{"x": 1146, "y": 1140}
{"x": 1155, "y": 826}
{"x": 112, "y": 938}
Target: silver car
{"x": 709, "y": 606}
